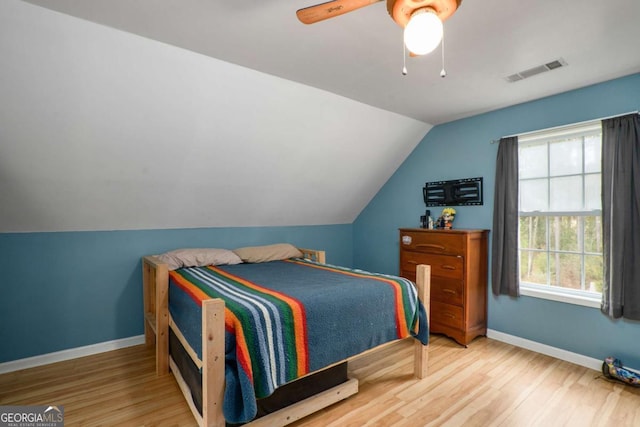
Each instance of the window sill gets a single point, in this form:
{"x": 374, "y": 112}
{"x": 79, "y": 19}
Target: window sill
{"x": 536, "y": 292}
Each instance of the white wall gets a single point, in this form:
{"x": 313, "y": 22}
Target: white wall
{"x": 102, "y": 130}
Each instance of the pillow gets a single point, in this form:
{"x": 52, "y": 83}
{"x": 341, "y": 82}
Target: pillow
{"x": 198, "y": 257}
{"x": 268, "y": 253}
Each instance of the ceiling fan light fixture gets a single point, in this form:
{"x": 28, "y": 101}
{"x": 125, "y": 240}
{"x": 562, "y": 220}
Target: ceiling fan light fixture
{"x": 423, "y": 32}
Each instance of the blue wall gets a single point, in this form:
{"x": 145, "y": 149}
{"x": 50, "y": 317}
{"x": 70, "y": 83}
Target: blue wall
{"x": 462, "y": 149}
{"x": 70, "y": 289}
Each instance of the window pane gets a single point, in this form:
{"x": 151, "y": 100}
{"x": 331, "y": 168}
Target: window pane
{"x": 593, "y": 192}
{"x": 594, "y": 273}
{"x": 564, "y": 232}
{"x": 593, "y": 234}
{"x": 532, "y": 161}
{"x": 559, "y": 174}
{"x": 533, "y": 232}
{"x": 566, "y": 193}
{"x": 565, "y": 157}
{"x": 592, "y": 153}
{"x": 533, "y": 267}
{"x": 565, "y": 270}
{"x": 533, "y": 195}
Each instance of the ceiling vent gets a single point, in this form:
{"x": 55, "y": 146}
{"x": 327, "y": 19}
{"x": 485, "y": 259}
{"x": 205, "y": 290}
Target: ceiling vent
{"x": 536, "y": 70}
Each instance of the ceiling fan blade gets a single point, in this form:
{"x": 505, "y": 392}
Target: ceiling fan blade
{"x": 320, "y": 12}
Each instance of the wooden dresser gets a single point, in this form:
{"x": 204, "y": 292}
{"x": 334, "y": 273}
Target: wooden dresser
{"x": 458, "y": 260}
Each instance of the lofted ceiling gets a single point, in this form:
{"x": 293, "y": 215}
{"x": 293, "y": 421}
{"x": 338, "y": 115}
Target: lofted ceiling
{"x": 360, "y": 55}
{"x": 160, "y": 114}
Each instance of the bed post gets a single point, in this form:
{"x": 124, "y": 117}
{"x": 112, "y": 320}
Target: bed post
{"x": 421, "y": 352}
{"x": 155, "y": 285}
{"x": 213, "y": 353}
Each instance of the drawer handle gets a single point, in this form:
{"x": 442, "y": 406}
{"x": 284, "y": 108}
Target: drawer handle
{"x": 448, "y": 267}
{"x": 430, "y": 245}
{"x": 449, "y": 315}
{"x": 449, "y": 291}
{"x": 412, "y": 262}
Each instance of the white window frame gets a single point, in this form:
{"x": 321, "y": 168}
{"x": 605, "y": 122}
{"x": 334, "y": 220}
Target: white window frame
{"x": 565, "y": 295}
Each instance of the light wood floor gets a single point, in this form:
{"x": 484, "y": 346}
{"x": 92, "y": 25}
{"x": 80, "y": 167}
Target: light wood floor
{"x": 488, "y": 384}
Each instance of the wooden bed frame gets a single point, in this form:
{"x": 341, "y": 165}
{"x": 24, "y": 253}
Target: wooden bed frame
{"x": 155, "y": 280}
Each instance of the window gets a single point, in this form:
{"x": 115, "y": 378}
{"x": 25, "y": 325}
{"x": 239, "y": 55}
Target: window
{"x": 560, "y": 214}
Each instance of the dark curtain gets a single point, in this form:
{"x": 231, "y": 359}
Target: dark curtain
{"x": 621, "y": 216}
{"x": 504, "y": 248}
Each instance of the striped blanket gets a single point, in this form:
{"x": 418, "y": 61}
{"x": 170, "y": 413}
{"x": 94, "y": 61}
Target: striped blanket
{"x": 284, "y": 319}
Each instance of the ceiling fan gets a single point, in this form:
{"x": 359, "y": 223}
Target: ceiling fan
{"x": 421, "y": 19}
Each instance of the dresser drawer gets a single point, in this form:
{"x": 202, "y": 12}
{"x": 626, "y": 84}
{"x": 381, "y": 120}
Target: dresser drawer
{"x": 450, "y": 291}
{"x": 447, "y": 315}
{"x": 441, "y": 265}
{"x": 409, "y": 274}
{"x": 433, "y": 242}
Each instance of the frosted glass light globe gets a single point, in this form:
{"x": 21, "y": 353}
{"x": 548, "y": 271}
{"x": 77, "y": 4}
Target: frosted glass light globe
{"x": 423, "y": 33}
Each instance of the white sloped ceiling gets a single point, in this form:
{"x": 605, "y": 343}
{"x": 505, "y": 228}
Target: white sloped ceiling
{"x": 105, "y": 130}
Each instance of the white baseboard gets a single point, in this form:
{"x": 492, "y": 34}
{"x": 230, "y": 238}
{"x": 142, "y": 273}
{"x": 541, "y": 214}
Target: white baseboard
{"x": 30, "y": 362}
{"x": 558, "y": 353}
{"x": 72, "y": 353}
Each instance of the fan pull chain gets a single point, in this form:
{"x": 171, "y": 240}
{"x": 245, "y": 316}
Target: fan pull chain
{"x": 404, "y": 59}
{"x": 443, "y": 73}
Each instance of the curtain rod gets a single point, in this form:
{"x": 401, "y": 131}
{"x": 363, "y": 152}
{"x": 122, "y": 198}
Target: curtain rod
{"x": 495, "y": 141}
